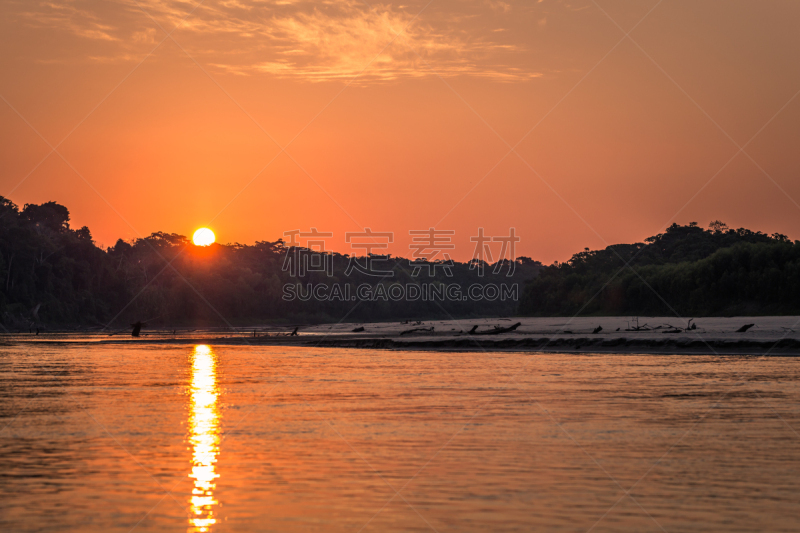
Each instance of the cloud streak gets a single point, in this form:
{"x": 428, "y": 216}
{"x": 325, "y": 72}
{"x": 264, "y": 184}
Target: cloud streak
{"x": 69, "y": 16}
{"x": 319, "y": 41}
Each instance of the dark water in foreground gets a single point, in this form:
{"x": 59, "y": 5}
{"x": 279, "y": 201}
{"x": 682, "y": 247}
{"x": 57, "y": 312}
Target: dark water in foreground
{"x": 199, "y": 438}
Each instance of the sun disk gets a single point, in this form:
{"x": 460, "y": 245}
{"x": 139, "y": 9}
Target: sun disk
{"x": 203, "y": 237}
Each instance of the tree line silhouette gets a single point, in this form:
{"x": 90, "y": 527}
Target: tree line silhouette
{"x": 686, "y": 270}
{"x": 52, "y": 275}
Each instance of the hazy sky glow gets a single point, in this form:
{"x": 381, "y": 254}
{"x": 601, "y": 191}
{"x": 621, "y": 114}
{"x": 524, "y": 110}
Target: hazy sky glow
{"x": 401, "y": 117}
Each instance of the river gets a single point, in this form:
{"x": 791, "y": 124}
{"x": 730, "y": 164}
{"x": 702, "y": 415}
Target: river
{"x": 204, "y": 438}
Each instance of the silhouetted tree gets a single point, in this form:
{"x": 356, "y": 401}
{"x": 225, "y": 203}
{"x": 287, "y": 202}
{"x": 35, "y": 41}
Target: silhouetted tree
{"x": 716, "y": 272}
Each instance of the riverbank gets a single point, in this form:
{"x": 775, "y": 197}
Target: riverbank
{"x": 656, "y": 335}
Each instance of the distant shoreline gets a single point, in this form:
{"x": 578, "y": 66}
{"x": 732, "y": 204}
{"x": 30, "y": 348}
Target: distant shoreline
{"x": 778, "y": 336}
{"x": 617, "y": 346}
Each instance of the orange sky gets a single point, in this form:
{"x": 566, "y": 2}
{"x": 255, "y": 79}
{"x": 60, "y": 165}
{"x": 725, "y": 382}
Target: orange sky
{"x": 402, "y": 116}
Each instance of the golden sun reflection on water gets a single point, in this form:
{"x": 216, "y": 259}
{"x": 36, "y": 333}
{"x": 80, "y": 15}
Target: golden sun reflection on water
{"x": 204, "y": 437}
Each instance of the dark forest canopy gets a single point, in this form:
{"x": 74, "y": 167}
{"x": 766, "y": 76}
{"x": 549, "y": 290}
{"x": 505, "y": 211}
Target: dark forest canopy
{"x": 51, "y": 275}
{"x": 686, "y": 270}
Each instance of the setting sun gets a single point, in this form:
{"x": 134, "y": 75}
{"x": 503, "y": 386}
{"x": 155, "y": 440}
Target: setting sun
{"x": 203, "y": 237}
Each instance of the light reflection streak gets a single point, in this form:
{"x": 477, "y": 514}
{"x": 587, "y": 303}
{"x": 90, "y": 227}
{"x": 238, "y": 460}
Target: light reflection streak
{"x": 204, "y": 428}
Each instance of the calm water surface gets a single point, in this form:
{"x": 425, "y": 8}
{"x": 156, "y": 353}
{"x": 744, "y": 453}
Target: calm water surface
{"x": 205, "y": 438}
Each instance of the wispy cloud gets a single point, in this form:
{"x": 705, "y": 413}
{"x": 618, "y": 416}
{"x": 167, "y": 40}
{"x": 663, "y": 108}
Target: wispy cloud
{"x": 313, "y": 41}
{"x": 69, "y": 16}
{"x": 378, "y": 44}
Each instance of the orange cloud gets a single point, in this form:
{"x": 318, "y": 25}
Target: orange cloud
{"x": 318, "y": 41}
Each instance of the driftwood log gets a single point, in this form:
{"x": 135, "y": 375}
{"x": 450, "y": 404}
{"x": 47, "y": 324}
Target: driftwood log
{"x": 497, "y": 330}
{"x": 430, "y": 329}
